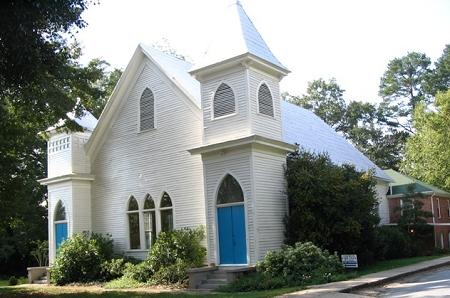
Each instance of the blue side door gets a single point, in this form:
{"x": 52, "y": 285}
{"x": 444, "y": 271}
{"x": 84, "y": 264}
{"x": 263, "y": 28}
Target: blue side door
{"x": 60, "y": 233}
{"x": 232, "y": 242}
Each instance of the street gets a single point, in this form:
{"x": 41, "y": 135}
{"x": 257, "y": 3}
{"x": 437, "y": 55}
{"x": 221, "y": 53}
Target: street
{"x": 433, "y": 283}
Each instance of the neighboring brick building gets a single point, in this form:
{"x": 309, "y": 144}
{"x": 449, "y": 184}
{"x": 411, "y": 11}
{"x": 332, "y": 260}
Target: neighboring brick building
{"x": 435, "y": 200}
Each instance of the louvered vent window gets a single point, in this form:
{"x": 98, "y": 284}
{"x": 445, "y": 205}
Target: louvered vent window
{"x": 224, "y": 103}
{"x": 265, "y": 100}
{"x": 147, "y": 110}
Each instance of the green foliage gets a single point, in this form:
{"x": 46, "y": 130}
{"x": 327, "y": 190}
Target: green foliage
{"x": 255, "y": 281}
{"x": 124, "y": 282}
{"x": 332, "y": 206}
{"x": 183, "y": 244}
{"x": 392, "y": 243}
{"x": 113, "y": 269}
{"x": 141, "y": 272}
{"x": 300, "y": 263}
{"x": 80, "y": 259}
{"x": 427, "y": 154}
{"x": 172, "y": 274}
{"x": 12, "y": 281}
{"x": 40, "y": 253}
{"x": 325, "y": 99}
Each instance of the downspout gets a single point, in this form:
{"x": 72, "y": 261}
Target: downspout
{"x": 434, "y": 221}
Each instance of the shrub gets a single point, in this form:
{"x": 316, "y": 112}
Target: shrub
{"x": 300, "y": 263}
{"x": 80, "y": 259}
{"x": 172, "y": 274}
{"x": 333, "y": 206}
{"x": 12, "y": 281}
{"x": 392, "y": 243}
{"x": 114, "y": 268}
{"x": 140, "y": 272}
{"x": 123, "y": 282}
{"x": 255, "y": 281}
{"x": 184, "y": 245}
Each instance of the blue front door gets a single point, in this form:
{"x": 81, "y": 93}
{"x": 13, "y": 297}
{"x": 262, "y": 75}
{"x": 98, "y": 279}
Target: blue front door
{"x": 232, "y": 243}
{"x": 60, "y": 233}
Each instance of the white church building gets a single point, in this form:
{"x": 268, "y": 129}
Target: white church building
{"x": 180, "y": 146}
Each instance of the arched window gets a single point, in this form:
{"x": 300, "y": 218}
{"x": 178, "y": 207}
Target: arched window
{"x": 60, "y": 212}
{"x": 224, "y": 103}
{"x": 149, "y": 221}
{"x": 229, "y": 191}
{"x": 147, "y": 110}
{"x": 60, "y": 224}
{"x": 166, "y": 211}
{"x": 133, "y": 223}
{"x": 265, "y": 102}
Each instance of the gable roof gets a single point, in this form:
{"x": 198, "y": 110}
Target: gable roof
{"x": 404, "y": 184}
{"x": 303, "y": 127}
{"x": 300, "y": 126}
{"x": 237, "y": 35}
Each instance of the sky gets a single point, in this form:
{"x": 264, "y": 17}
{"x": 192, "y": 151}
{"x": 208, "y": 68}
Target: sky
{"x": 350, "y": 40}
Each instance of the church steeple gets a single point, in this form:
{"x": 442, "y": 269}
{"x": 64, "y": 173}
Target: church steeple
{"x": 235, "y": 39}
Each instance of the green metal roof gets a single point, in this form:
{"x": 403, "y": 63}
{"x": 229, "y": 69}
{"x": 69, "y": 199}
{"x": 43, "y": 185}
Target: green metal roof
{"x": 404, "y": 184}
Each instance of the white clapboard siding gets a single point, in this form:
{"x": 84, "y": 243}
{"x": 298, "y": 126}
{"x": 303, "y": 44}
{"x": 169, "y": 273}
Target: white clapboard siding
{"x": 81, "y": 206}
{"x": 80, "y": 161}
{"x": 238, "y": 164}
{"x": 271, "y": 202}
{"x": 135, "y": 163}
{"x": 218, "y": 129}
{"x": 59, "y": 149}
{"x": 383, "y": 207}
{"x": 265, "y": 125}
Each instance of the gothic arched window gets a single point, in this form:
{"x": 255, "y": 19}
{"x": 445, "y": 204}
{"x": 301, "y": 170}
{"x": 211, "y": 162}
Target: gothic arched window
{"x": 265, "y": 101}
{"x": 224, "y": 101}
{"x": 147, "y": 110}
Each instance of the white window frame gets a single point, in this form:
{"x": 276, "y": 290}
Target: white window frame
{"x": 139, "y": 112}
{"x": 213, "y": 116}
{"x": 128, "y": 212}
{"x": 271, "y": 96}
{"x": 144, "y": 211}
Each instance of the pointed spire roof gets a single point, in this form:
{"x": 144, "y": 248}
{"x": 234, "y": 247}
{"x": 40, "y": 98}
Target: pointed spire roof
{"x": 237, "y": 36}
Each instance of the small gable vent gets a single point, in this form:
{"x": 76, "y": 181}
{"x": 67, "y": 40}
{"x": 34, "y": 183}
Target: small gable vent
{"x": 224, "y": 103}
{"x": 147, "y": 110}
{"x": 265, "y": 101}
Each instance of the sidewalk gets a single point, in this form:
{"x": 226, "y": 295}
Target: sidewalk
{"x": 340, "y": 288}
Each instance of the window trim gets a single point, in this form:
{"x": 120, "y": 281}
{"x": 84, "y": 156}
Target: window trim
{"x": 127, "y": 213}
{"x": 257, "y": 100}
{"x": 213, "y": 116}
{"x": 139, "y": 112}
{"x": 143, "y": 211}
{"x": 439, "y": 208}
{"x": 164, "y": 209}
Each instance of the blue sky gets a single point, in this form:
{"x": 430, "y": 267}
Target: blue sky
{"x": 351, "y": 40}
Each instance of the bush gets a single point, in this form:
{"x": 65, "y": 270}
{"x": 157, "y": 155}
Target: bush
{"x": 333, "y": 206}
{"x": 256, "y": 281}
{"x": 392, "y": 243}
{"x": 123, "y": 282}
{"x": 80, "y": 259}
{"x": 114, "y": 268}
{"x": 300, "y": 263}
{"x": 12, "y": 281}
{"x": 172, "y": 274}
{"x": 140, "y": 272}
{"x": 178, "y": 245}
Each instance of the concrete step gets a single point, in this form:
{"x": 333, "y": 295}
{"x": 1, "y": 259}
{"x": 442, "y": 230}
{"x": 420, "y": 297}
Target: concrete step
{"x": 208, "y": 286}
{"x": 221, "y": 281}
{"x": 40, "y": 281}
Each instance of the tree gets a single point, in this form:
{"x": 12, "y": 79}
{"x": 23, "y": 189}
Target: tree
{"x": 40, "y": 81}
{"x": 405, "y": 84}
{"x": 332, "y": 206}
{"x": 441, "y": 75}
{"x": 325, "y": 99}
{"x": 427, "y": 153}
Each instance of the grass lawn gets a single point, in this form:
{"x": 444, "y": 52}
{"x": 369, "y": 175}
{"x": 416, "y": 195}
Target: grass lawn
{"x": 97, "y": 291}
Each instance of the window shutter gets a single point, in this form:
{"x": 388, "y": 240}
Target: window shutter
{"x": 224, "y": 103}
{"x": 147, "y": 110}
{"x": 265, "y": 100}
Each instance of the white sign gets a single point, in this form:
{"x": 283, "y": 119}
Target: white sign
{"x": 349, "y": 261}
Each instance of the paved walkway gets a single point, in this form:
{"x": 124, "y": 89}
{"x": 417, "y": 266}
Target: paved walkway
{"x": 341, "y": 288}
